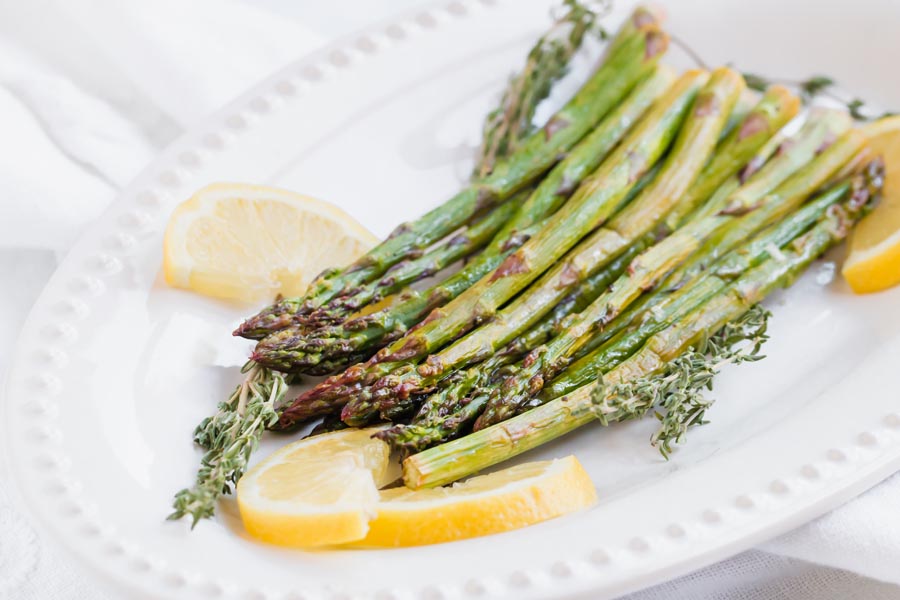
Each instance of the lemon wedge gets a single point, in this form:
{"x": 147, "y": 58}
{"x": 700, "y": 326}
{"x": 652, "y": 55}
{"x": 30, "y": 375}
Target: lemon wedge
{"x": 873, "y": 263}
{"x": 318, "y": 491}
{"x": 252, "y": 242}
{"x": 323, "y": 491}
{"x": 502, "y": 501}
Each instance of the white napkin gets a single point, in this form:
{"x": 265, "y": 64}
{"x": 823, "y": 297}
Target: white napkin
{"x": 90, "y": 90}
{"x": 863, "y": 536}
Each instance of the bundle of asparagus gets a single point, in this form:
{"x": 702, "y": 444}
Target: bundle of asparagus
{"x": 619, "y": 395}
{"x": 632, "y": 55}
{"x": 616, "y": 258}
{"x": 231, "y": 435}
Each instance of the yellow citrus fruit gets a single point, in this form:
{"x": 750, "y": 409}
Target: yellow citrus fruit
{"x": 502, "y": 501}
{"x": 251, "y": 242}
{"x": 873, "y": 263}
{"x": 323, "y": 491}
{"x": 319, "y": 491}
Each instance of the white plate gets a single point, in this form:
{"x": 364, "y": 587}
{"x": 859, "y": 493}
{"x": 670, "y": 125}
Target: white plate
{"x": 113, "y": 369}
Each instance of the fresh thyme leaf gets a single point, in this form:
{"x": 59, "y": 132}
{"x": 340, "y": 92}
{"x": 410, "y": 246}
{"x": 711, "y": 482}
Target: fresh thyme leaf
{"x": 547, "y": 62}
{"x": 818, "y": 85}
{"x": 856, "y": 107}
{"x": 815, "y": 86}
{"x": 229, "y": 438}
{"x": 756, "y": 82}
{"x": 676, "y": 395}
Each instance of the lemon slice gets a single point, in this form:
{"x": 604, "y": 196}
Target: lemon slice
{"x": 318, "y": 491}
{"x": 509, "y": 499}
{"x": 323, "y": 491}
{"x": 250, "y": 242}
{"x": 873, "y": 263}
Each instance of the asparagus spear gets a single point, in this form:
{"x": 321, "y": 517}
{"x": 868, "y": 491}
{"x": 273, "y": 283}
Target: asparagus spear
{"x": 503, "y": 130}
{"x": 232, "y": 434}
{"x": 288, "y": 318}
{"x": 293, "y": 348}
{"x": 838, "y": 154}
{"x": 445, "y": 412}
{"x": 590, "y": 205}
{"x": 774, "y": 110}
{"x": 649, "y": 316}
{"x": 456, "y": 406}
{"x": 637, "y": 49}
{"x": 229, "y": 447}
{"x": 544, "y": 196}
{"x": 461, "y": 397}
{"x": 411, "y": 270}
{"x": 603, "y": 245}
{"x": 624, "y": 68}
{"x": 549, "y": 359}
{"x": 453, "y": 460}
{"x": 284, "y": 313}
{"x": 546, "y": 362}
{"x": 327, "y": 365}
{"x": 821, "y": 128}
{"x": 692, "y": 149}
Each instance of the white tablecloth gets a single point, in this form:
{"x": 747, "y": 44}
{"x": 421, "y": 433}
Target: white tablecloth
{"x": 90, "y": 90}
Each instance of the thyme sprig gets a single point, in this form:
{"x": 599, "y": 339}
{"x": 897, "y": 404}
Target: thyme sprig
{"x": 816, "y": 86}
{"x": 676, "y": 395}
{"x": 809, "y": 89}
{"x": 547, "y": 62}
{"x": 229, "y": 438}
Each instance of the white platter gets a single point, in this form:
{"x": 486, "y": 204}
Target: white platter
{"x": 113, "y": 369}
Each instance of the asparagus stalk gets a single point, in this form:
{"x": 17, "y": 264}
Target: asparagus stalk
{"x": 606, "y": 88}
{"x": 411, "y": 270}
{"x": 673, "y": 307}
{"x": 460, "y": 398}
{"x": 329, "y": 365}
{"x": 547, "y": 360}
{"x": 607, "y": 242}
{"x": 231, "y": 435}
{"x": 637, "y": 49}
{"x": 293, "y": 348}
{"x": 459, "y": 458}
{"x": 777, "y": 106}
{"x": 836, "y": 154}
{"x": 694, "y": 145}
{"x": 816, "y": 134}
{"x": 550, "y": 194}
{"x": 590, "y": 206}
{"x": 504, "y": 129}
{"x": 447, "y": 411}
{"x": 811, "y": 156}
{"x": 454, "y": 408}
